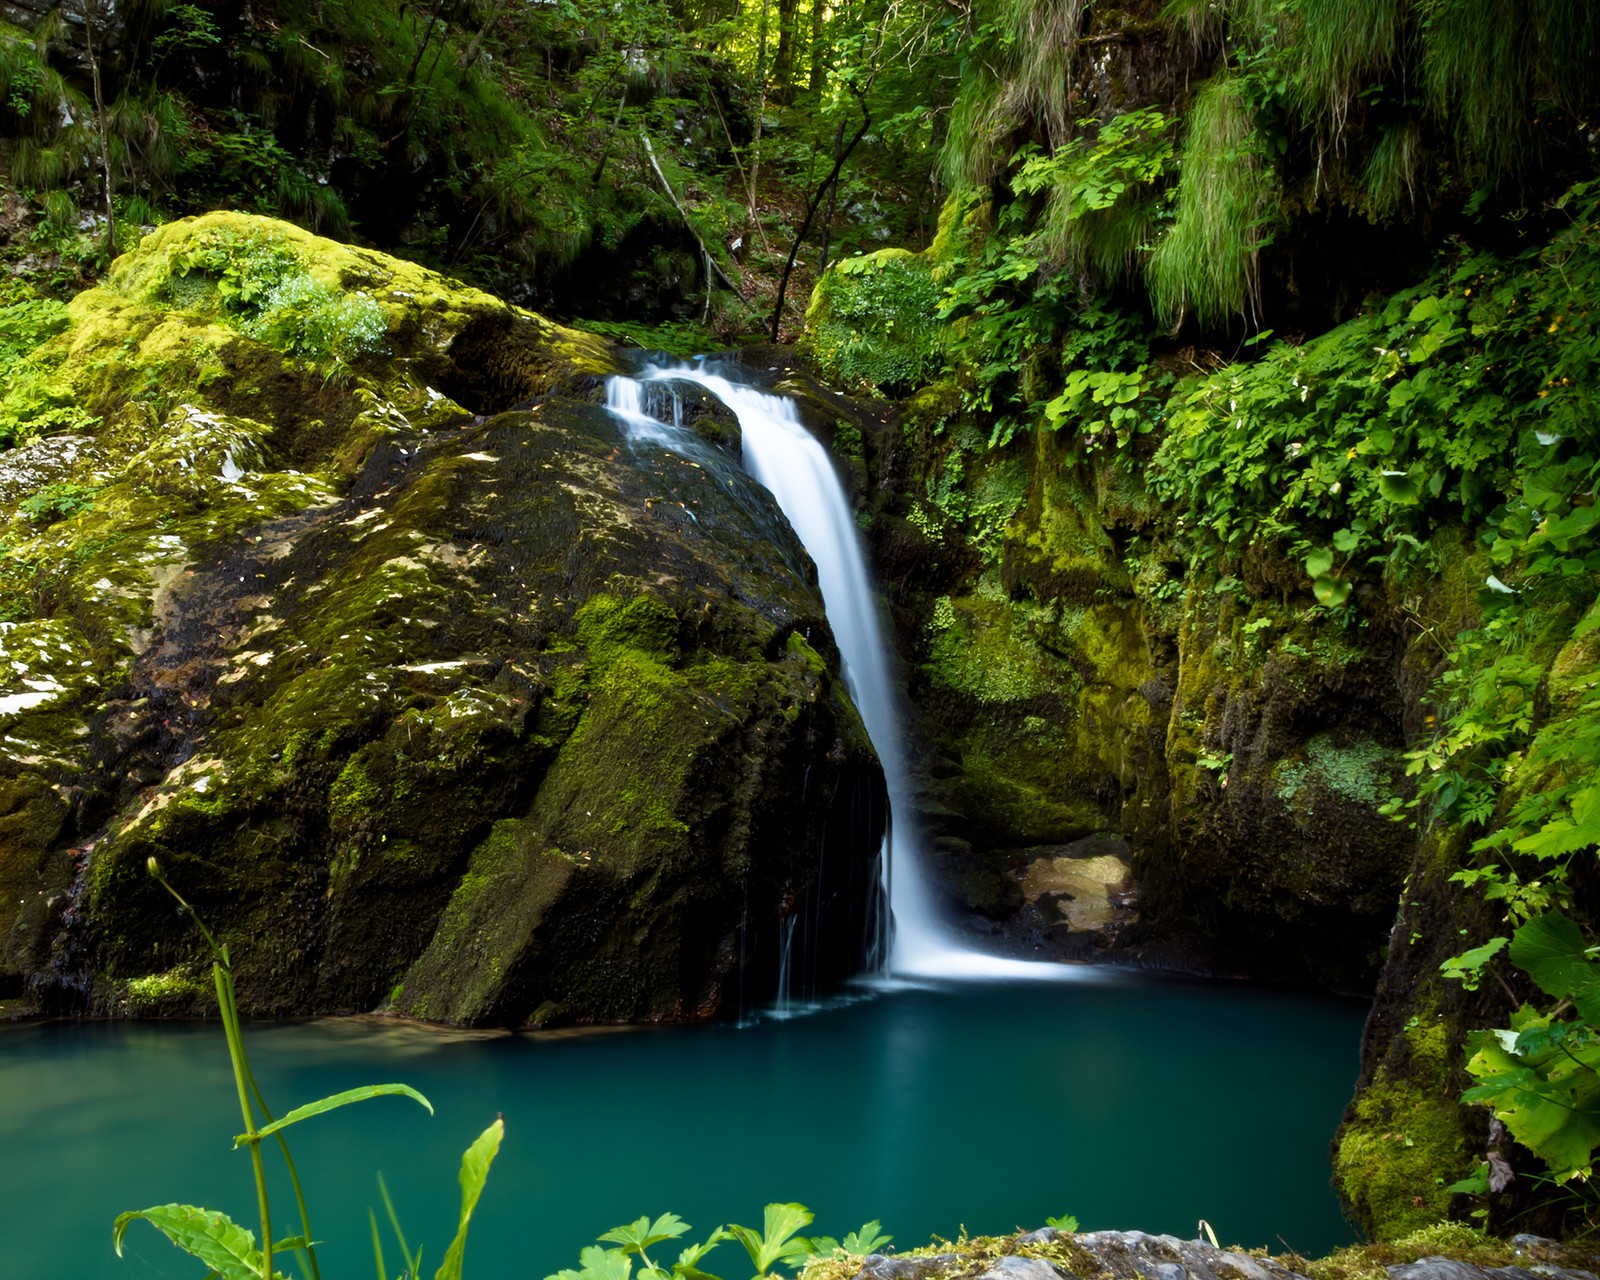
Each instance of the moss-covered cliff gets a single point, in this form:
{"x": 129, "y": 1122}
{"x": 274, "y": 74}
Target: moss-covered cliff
{"x": 1299, "y": 639}
{"x": 426, "y": 685}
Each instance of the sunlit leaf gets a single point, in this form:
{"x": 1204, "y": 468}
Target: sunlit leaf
{"x": 212, "y": 1237}
{"x": 333, "y": 1102}
{"x": 474, "y": 1172}
{"x": 642, "y": 1233}
{"x": 1332, "y": 592}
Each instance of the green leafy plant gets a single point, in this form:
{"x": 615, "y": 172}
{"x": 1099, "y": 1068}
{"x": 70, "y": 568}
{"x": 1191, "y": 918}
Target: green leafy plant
{"x": 872, "y": 320}
{"x": 777, "y": 1242}
{"x": 866, "y": 1239}
{"x": 230, "y": 1250}
{"x": 262, "y": 287}
{"x": 58, "y": 501}
{"x": 1541, "y": 1076}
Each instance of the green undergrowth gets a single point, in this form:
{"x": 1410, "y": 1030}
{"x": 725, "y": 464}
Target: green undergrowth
{"x": 1439, "y": 452}
{"x": 872, "y": 321}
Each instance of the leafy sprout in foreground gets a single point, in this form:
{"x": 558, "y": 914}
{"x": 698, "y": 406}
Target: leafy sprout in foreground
{"x": 777, "y": 1242}
{"x": 230, "y": 1250}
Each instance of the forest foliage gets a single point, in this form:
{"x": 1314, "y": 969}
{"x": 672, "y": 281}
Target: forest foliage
{"x": 1134, "y": 268}
{"x": 502, "y": 141}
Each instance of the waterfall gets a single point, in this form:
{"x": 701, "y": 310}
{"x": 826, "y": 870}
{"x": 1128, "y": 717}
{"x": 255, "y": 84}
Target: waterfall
{"x": 792, "y": 464}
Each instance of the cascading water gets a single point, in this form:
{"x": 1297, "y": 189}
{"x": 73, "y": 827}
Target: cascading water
{"x": 782, "y": 455}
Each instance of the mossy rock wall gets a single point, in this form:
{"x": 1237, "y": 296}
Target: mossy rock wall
{"x": 479, "y": 713}
{"x": 1075, "y": 673}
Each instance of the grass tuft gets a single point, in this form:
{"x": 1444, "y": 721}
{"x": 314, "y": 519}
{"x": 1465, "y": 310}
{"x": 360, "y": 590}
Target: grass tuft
{"x": 1206, "y": 268}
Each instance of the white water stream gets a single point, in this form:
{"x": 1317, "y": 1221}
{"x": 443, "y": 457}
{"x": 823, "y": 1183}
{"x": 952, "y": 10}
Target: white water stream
{"x": 785, "y": 457}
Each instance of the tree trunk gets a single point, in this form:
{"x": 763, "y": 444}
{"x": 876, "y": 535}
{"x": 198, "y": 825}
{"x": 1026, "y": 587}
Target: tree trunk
{"x": 833, "y": 197}
{"x": 819, "y": 46}
{"x": 811, "y": 209}
{"x": 783, "y": 63}
{"x": 91, "y": 15}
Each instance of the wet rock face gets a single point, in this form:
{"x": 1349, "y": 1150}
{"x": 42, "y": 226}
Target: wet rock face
{"x": 481, "y": 719}
{"x": 1076, "y": 677}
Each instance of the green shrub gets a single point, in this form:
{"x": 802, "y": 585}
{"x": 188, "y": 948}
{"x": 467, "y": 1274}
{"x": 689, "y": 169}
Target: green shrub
{"x": 872, "y": 320}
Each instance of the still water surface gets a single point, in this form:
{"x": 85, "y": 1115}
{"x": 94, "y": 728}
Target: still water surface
{"x": 1126, "y": 1100}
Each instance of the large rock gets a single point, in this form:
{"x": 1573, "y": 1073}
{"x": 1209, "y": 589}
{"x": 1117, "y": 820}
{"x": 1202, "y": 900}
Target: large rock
{"x": 477, "y": 712}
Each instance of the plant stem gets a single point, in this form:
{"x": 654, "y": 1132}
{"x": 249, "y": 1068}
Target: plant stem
{"x": 223, "y": 977}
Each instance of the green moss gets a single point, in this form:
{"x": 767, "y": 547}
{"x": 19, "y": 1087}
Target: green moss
{"x": 1404, "y": 1144}
{"x": 1362, "y": 772}
{"x": 1014, "y": 791}
{"x": 975, "y": 646}
{"x": 354, "y": 794}
{"x": 607, "y": 624}
{"x": 166, "y": 993}
{"x": 1439, "y": 1239}
{"x": 799, "y": 647}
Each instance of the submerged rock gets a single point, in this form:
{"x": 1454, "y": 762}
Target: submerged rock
{"x": 427, "y": 687}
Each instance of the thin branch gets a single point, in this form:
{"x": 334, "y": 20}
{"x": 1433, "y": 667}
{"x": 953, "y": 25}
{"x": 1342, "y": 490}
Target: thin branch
{"x": 684, "y": 214}
{"x": 814, "y": 204}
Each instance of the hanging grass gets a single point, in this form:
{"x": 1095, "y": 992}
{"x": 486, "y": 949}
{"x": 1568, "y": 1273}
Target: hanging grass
{"x": 1206, "y": 267}
{"x": 1339, "y": 47}
{"x": 1025, "y": 72}
{"x": 1392, "y": 172}
{"x": 1493, "y": 68}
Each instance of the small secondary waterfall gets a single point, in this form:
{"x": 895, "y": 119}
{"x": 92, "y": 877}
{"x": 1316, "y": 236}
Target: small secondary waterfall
{"x": 786, "y": 458}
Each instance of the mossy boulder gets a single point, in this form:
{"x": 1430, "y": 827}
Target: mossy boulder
{"x": 420, "y": 698}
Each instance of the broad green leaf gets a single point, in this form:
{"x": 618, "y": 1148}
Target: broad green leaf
{"x": 1425, "y": 309}
{"x": 332, "y": 1102}
{"x": 1330, "y": 591}
{"x": 1542, "y": 1080}
{"x": 1319, "y": 562}
{"x": 1476, "y": 1185}
{"x": 869, "y": 1238}
{"x": 774, "y": 1244}
{"x": 687, "y": 1267}
{"x": 212, "y": 1237}
{"x": 1346, "y": 540}
{"x": 474, "y": 1172}
{"x": 1559, "y": 837}
{"x": 1573, "y": 528}
{"x": 596, "y": 1263}
{"x": 1550, "y": 950}
{"x": 1399, "y": 487}
{"x": 1466, "y": 967}
{"x": 642, "y": 1233}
